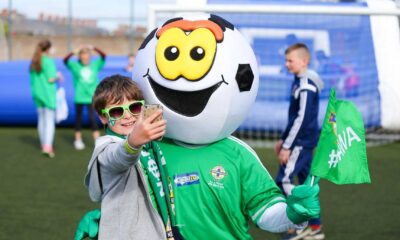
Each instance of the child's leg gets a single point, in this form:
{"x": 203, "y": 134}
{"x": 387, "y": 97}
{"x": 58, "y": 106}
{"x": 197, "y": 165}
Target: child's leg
{"x": 304, "y": 171}
{"x": 40, "y": 125}
{"x": 287, "y": 172}
{"x": 78, "y": 121}
{"x": 280, "y": 176}
{"x": 49, "y": 129}
{"x": 78, "y": 143}
{"x": 296, "y": 163}
{"x": 93, "y": 122}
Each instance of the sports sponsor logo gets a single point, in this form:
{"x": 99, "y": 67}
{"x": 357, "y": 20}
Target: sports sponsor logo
{"x": 186, "y": 179}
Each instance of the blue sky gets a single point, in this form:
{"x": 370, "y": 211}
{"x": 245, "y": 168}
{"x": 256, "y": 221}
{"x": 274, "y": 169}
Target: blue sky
{"x": 108, "y": 12}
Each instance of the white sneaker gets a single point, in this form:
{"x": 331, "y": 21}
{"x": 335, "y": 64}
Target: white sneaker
{"x": 79, "y": 145}
{"x": 314, "y": 234}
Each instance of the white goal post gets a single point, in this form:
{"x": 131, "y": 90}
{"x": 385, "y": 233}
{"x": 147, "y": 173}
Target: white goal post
{"x": 386, "y": 44}
{"x": 266, "y": 9}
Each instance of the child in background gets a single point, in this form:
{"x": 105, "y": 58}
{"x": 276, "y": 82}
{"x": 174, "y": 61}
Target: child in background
{"x": 116, "y": 177}
{"x": 295, "y": 149}
{"x": 131, "y": 62}
{"x": 43, "y": 77}
{"x": 85, "y": 74}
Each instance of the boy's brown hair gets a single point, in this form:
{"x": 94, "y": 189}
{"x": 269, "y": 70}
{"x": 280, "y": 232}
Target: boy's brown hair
{"x": 304, "y": 51}
{"x": 114, "y": 90}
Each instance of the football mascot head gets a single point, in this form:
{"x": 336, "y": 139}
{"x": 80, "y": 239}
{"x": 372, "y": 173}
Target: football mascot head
{"x": 204, "y": 74}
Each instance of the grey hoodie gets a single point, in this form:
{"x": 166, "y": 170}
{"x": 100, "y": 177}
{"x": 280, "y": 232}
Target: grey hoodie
{"x": 313, "y": 76}
{"x": 115, "y": 179}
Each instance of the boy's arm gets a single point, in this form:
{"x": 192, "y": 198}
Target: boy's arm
{"x": 101, "y": 53}
{"x": 119, "y": 157}
{"x": 114, "y": 156}
{"x": 291, "y": 132}
{"x": 110, "y": 161}
{"x": 99, "y": 64}
{"x": 67, "y": 57}
{"x": 285, "y": 133}
{"x": 303, "y": 115}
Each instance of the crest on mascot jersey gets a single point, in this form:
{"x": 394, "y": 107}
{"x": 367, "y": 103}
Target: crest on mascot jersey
{"x": 218, "y": 173}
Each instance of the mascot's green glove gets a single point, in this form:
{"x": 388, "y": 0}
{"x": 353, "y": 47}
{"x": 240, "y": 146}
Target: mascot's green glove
{"x": 303, "y": 203}
{"x": 88, "y": 226}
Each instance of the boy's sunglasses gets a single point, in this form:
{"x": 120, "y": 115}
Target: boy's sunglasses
{"x": 118, "y": 112}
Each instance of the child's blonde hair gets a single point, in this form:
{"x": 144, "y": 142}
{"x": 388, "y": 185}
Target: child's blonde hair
{"x": 302, "y": 49}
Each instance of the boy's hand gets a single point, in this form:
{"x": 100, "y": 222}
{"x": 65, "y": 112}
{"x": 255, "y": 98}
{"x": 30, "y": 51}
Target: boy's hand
{"x": 303, "y": 203}
{"x": 60, "y": 77}
{"x": 278, "y": 147}
{"x": 77, "y": 50}
{"x": 88, "y": 226}
{"x": 146, "y": 130}
{"x": 284, "y": 155}
{"x": 89, "y": 46}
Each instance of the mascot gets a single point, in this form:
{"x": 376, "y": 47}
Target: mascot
{"x": 204, "y": 74}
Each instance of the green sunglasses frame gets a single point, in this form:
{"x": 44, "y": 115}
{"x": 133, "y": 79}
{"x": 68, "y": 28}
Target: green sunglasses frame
{"x": 125, "y": 107}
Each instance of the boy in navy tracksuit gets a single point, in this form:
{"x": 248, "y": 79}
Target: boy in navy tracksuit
{"x": 296, "y": 146}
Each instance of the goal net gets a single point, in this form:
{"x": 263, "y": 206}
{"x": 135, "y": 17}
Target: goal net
{"x": 354, "y": 47}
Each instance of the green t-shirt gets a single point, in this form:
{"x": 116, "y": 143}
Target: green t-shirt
{"x": 85, "y": 79}
{"x": 217, "y": 188}
{"x": 43, "y": 91}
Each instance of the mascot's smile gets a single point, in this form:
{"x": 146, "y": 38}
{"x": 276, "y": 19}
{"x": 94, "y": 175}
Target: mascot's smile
{"x": 187, "y": 103}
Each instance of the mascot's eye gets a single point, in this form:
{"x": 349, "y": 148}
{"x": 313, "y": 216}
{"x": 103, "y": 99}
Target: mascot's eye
{"x": 171, "y": 53}
{"x": 197, "y": 53}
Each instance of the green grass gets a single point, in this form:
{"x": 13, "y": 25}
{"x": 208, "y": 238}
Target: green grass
{"x": 44, "y": 198}
{"x": 367, "y": 211}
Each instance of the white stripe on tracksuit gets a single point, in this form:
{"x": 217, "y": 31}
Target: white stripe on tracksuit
{"x": 287, "y": 185}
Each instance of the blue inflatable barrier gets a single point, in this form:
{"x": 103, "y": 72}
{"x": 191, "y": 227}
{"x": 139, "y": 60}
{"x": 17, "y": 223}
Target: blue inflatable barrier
{"x": 344, "y": 53}
{"x": 16, "y": 104}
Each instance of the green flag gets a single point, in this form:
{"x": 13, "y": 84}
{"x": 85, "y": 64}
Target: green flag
{"x": 341, "y": 155}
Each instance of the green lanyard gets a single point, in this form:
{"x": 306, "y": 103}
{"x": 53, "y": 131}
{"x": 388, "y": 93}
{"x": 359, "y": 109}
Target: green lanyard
{"x": 154, "y": 165}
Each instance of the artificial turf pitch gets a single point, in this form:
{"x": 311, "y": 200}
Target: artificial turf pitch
{"x": 44, "y": 198}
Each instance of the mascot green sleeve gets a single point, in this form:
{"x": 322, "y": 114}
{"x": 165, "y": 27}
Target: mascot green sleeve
{"x": 204, "y": 74}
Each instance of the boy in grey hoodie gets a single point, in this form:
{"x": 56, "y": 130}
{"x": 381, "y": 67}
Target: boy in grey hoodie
{"x": 115, "y": 176}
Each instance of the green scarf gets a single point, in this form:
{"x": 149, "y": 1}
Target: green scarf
{"x": 154, "y": 166}
{"x": 153, "y": 163}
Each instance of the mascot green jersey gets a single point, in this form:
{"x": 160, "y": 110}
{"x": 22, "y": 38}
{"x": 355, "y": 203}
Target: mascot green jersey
{"x": 204, "y": 73}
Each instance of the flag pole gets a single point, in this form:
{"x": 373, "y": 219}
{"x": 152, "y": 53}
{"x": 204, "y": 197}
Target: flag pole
{"x": 312, "y": 180}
